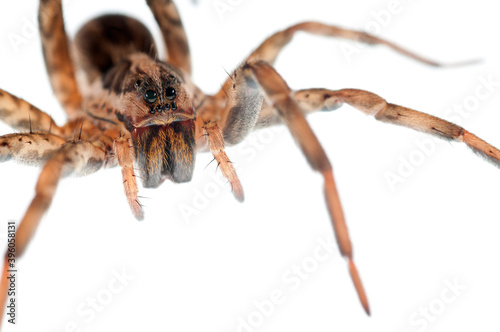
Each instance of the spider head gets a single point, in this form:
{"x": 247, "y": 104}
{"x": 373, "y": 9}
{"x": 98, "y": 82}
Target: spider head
{"x": 157, "y": 108}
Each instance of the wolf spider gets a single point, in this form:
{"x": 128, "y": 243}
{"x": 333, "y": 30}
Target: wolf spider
{"x": 133, "y": 110}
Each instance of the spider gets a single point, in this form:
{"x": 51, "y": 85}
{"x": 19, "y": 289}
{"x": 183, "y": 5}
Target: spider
{"x": 135, "y": 109}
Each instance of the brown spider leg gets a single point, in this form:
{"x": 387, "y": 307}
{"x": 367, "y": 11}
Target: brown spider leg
{"x": 174, "y": 36}
{"x": 57, "y": 57}
{"x": 313, "y": 100}
{"x": 372, "y": 104}
{"x": 272, "y": 46}
{"x": 32, "y": 149}
{"x": 21, "y": 115}
{"x": 279, "y": 95}
{"x": 125, "y": 156}
{"x": 73, "y": 158}
{"x": 309, "y": 100}
{"x": 78, "y": 158}
{"x": 216, "y": 145}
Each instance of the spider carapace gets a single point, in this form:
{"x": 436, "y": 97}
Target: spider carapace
{"x": 132, "y": 109}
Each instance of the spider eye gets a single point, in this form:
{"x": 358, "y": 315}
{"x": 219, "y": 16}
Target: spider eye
{"x": 150, "y": 96}
{"x": 137, "y": 83}
{"x": 170, "y": 93}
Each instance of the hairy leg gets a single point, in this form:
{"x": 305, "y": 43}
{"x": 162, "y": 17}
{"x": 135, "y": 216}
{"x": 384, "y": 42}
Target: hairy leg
{"x": 21, "y": 115}
{"x": 272, "y": 46}
{"x": 174, "y": 36}
{"x": 57, "y": 57}
{"x": 73, "y": 158}
{"x": 309, "y": 100}
{"x": 32, "y": 149}
{"x": 260, "y": 76}
{"x": 125, "y": 155}
{"x": 312, "y": 100}
{"x": 216, "y": 145}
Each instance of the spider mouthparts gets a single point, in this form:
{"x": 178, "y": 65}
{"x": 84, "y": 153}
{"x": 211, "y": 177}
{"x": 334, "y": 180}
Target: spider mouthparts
{"x": 164, "y": 119}
{"x": 165, "y": 152}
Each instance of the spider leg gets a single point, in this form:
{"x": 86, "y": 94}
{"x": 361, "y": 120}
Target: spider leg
{"x": 272, "y": 46}
{"x": 174, "y": 36}
{"x": 125, "y": 156}
{"x": 313, "y": 100}
{"x": 309, "y": 100}
{"x": 282, "y": 105}
{"x": 73, "y": 158}
{"x": 372, "y": 104}
{"x": 21, "y": 115}
{"x": 57, "y": 57}
{"x": 216, "y": 144}
{"x": 262, "y": 76}
{"x": 32, "y": 149}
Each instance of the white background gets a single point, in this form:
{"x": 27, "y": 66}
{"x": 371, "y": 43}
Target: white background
{"x": 441, "y": 224}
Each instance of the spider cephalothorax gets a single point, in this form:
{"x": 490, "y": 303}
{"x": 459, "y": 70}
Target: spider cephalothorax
{"x": 158, "y": 111}
{"x": 132, "y": 110}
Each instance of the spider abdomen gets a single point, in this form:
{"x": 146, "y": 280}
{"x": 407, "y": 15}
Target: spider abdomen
{"x": 107, "y": 40}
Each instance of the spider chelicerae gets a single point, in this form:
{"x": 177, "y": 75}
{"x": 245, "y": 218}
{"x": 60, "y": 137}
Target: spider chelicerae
{"x": 133, "y": 110}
